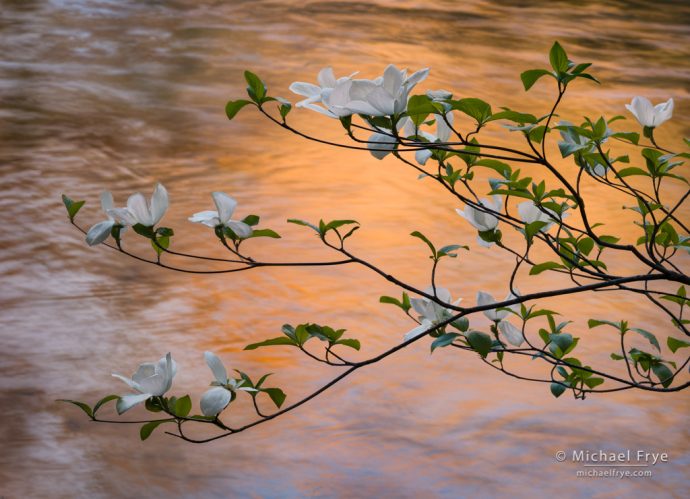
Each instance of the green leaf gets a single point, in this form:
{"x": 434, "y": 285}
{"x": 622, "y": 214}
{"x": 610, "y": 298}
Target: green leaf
{"x": 163, "y": 244}
{"x": 419, "y": 107}
{"x": 537, "y": 133}
{"x": 444, "y": 340}
{"x": 346, "y": 121}
{"x": 261, "y": 380}
{"x": 561, "y": 340}
{"x": 424, "y": 238}
{"x": 153, "y": 405}
{"x": 649, "y": 336}
{"x": 277, "y": 395}
{"x": 143, "y": 230}
{"x": 73, "y": 207}
{"x": 302, "y": 334}
{"x": 585, "y": 245}
{"x": 183, "y": 406}
{"x": 530, "y": 77}
{"x": 500, "y": 167}
{"x": 84, "y": 407}
{"x": 334, "y": 224}
{"x": 557, "y": 389}
{"x": 303, "y": 223}
{"x": 558, "y": 58}
{"x": 592, "y": 382}
{"x": 632, "y": 137}
{"x": 282, "y": 340}
{"x": 148, "y": 428}
{"x": 264, "y": 233}
{"x": 480, "y": 342}
{"x": 663, "y": 373}
{"x": 103, "y": 401}
{"x": 541, "y": 267}
{"x": 674, "y": 344}
{"x": 474, "y": 108}
{"x": 394, "y": 301}
{"x": 450, "y": 250}
{"x": 461, "y": 324}
{"x": 592, "y": 323}
{"x": 349, "y": 342}
{"x": 284, "y": 109}
{"x": 234, "y": 106}
{"x": 532, "y": 229}
{"x": 252, "y": 220}
{"x": 514, "y": 116}
{"x": 256, "y": 88}
{"x": 627, "y": 172}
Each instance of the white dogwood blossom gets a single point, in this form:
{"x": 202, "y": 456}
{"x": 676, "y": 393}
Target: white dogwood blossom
{"x": 150, "y": 380}
{"x": 225, "y": 207}
{"x": 429, "y": 311}
{"x": 511, "y": 333}
{"x": 649, "y": 115}
{"x": 217, "y": 398}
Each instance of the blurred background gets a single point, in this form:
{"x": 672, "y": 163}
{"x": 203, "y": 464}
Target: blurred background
{"x": 116, "y": 95}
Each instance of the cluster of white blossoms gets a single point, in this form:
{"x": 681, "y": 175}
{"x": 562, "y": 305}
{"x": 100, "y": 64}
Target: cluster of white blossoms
{"x": 148, "y": 213}
{"x": 137, "y": 211}
{"x": 155, "y": 380}
{"x": 383, "y": 96}
{"x": 432, "y": 313}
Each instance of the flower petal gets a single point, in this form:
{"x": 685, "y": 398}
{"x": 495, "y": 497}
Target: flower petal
{"x": 126, "y": 402}
{"x": 484, "y": 299}
{"x": 416, "y": 77}
{"x": 225, "y": 205}
{"x": 511, "y": 333}
{"x": 663, "y": 112}
{"x": 421, "y": 329}
{"x": 326, "y": 78}
{"x": 392, "y": 80}
{"x": 159, "y": 203}
{"x": 217, "y": 367}
{"x": 107, "y": 202}
{"x": 137, "y": 206}
{"x": 99, "y": 232}
{"x": 240, "y": 228}
{"x": 215, "y": 400}
{"x": 378, "y": 141}
{"x": 305, "y": 89}
{"x": 382, "y": 101}
{"x": 209, "y": 218}
{"x": 422, "y": 156}
{"x": 122, "y": 216}
{"x": 131, "y": 383}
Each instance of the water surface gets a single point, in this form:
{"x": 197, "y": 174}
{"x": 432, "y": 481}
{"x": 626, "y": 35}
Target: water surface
{"x": 119, "y": 94}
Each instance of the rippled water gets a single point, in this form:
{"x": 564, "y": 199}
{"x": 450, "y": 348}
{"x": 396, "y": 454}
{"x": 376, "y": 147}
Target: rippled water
{"x": 118, "y": 94}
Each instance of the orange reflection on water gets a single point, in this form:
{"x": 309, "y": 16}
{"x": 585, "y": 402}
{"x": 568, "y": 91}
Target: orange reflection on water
{"x": 100, "y": 95}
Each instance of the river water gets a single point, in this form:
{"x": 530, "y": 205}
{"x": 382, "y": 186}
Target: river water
{"x": 118, "y": 94}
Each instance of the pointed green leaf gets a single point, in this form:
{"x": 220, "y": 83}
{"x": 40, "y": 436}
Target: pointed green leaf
{"x": 282, "y": 340}
{"x": 674, "y": 344}
{"x": 530, "y": 77}
{"x": 443, "y": 340}
{"x": 557, "y": 389}
{"x": 148, "y": 428}
{"x": 84, "y": 407}
{"x": 234, "y": 106}
{"x": 103, "y": 401}
{"x": 72, "y": 206}
{"x": 480, "y": 342}
{"x": 277, "y": 395}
